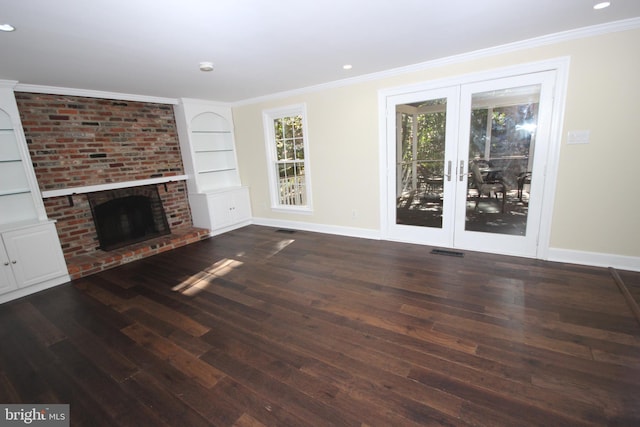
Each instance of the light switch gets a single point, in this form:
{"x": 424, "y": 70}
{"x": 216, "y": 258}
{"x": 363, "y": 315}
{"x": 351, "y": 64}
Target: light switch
{"x": 578, "y": 137}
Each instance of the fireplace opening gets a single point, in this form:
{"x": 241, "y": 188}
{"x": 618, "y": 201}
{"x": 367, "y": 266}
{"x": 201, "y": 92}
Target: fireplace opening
{"x": 126, "y": 216}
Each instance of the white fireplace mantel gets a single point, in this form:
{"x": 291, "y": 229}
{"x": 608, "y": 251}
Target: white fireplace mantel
{"x": 69, "y": 191}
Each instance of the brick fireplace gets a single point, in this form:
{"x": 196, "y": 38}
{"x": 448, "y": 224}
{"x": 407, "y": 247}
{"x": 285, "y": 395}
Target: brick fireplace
{"x": 86, "y": 143}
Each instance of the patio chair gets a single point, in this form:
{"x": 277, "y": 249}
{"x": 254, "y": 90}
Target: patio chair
{"x": 522, "y": 179}
{"x": 487, "y": 188}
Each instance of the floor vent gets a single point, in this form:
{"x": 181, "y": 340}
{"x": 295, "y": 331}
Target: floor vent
{"x": 448, "y": 253}
{"x": 285, "y": 230}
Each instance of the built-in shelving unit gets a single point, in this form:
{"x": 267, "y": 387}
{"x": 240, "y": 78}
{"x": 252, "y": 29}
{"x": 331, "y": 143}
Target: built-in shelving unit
{"x": 211, "y": 137}
{"x": 218, "y": 200}
{"x": 16, "y": 201}
{"x": 30, "y": 254}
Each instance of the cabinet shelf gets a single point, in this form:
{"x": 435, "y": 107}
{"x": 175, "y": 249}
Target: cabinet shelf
{"x": 213, "y": 150}
{"x": 211, "y": 131}
{"x": 216, "y": 170}
{"x": 14, "y": 192}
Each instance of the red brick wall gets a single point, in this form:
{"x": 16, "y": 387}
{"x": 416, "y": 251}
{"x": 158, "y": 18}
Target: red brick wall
{"x": 76, "y": 141}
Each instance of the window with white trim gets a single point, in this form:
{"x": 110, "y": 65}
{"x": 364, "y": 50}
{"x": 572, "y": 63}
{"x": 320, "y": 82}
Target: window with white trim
{"x": 288, "y": 158}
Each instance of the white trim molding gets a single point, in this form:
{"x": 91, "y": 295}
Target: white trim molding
{"x": 362, "y": 233}
{"x": 54, "y": 90}
{"x": 594, "y": 259}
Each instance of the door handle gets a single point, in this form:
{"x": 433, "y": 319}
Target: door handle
{"x": 461, "y": 170}
{"x": 449, "y": 170}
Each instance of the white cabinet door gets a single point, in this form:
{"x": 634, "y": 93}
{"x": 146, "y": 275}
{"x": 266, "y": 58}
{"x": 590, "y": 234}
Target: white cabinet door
{"x": 7, "y": 282}
{"x": 35, "y": 254}
{"x": 229, "y": 207}
{"x": 241, "y": 205}
{"x": 220, "y": 206}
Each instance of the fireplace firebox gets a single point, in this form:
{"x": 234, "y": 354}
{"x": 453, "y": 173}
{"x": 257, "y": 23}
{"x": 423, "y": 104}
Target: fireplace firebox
{"x": 128, "y": 215}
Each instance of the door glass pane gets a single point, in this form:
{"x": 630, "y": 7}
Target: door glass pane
{"x": 420, "y": 144}
{"x": 501, "y": 147}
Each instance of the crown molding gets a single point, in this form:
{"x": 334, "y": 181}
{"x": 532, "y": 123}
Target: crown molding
{"x": 579, "y": 33}
{"x": 199, "y": 101}
{"x": 8, "y": 84}
{"x": 55, "y": 90}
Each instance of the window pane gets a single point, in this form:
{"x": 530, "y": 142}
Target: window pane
{"x": 292, "y": 183}
{"x": 288, "y": 150}
{"x": 299, "y": 149}
{"x": 502, "y": 141}
{"x": 278, "y": 128}
{"x": 420, "y": 146}
{"x": 288, "y": 129}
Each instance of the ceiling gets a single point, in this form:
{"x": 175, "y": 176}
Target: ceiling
{"x": 258, "y": 47}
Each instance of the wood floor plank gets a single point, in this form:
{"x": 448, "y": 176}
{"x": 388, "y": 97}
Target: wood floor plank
{"x": 192, "y": 366}
{"x": 166, "y": 406}
{"x": 258, "y": 327}
{"x": 262, "y": 408}
{"x": 121, "y": 408}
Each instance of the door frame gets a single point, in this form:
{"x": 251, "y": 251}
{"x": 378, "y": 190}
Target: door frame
{"x": 560, "y": 66}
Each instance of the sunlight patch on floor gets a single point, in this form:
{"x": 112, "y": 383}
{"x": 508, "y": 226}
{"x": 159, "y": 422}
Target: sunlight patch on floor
{"x": 280, "y": 246}
{"x": 203, "y": 279}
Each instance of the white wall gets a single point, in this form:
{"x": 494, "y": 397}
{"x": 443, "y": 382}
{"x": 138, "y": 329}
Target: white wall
{"x": 597, "y": 203}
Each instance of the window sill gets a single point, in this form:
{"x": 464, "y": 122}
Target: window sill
{"x": 303, "y": 210}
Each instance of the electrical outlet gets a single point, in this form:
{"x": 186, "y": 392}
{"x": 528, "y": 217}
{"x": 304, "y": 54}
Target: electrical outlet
{"x": 578, "y": 137}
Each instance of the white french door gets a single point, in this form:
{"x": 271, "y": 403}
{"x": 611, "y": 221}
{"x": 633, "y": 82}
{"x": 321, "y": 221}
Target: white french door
{"x": 466, "y": 163}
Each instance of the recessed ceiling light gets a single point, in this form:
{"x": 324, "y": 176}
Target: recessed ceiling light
{"x": 206, "y": 66}
{"x": 601, "y": 5}
{"x": 7, "y": 27}
{"x": 347, "y": 66}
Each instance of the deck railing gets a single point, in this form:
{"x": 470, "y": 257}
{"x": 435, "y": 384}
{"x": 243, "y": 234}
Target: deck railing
{"x": 293, "y": 191}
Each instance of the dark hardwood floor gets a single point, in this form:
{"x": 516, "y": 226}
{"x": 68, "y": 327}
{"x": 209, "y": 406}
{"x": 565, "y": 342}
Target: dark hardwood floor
{"x": 264, "y": 327}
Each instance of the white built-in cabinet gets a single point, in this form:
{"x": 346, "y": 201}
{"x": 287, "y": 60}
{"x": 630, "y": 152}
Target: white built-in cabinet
{"x": 30, "y": 253}
{"x": 217, "y": 198}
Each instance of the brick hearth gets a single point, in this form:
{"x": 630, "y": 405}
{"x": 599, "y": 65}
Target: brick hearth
{"x": 97, "y": 261}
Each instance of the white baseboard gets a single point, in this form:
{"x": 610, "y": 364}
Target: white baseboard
{"x": 594, "y": 259}
{"x": 364, "y": 233}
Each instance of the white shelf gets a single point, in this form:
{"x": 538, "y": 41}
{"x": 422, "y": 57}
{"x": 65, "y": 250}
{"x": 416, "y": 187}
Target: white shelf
{"x": 15, "y": 191}
{"x": 226, "y": 132}
{"x": 222, "y": 150}
{"x": 217, "y": 170}
{"x": 111, "y": 186}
